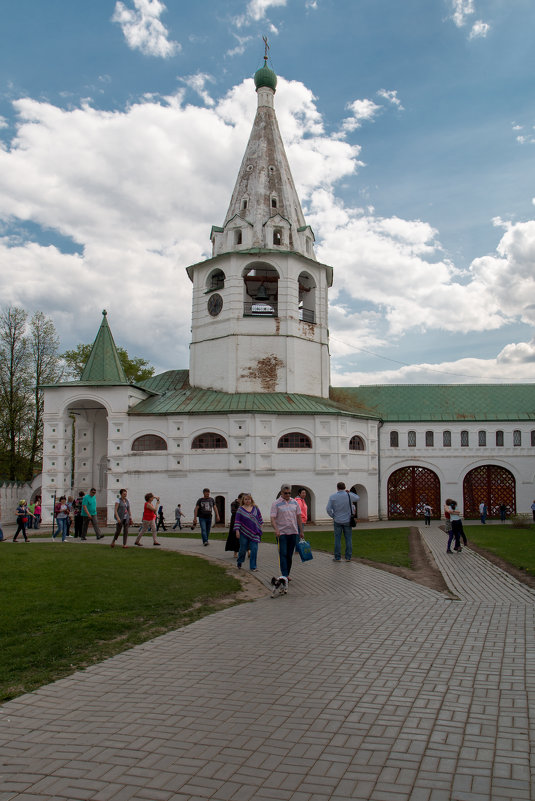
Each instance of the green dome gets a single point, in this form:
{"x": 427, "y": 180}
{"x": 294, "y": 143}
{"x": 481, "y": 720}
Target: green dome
{"x": 265, "y": 77}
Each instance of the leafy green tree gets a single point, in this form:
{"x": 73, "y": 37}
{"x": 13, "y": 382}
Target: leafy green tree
{"x": 15, "y": 390}
{"x": 43, "y": 343}
{"x": 28, "y": 358}
{"x": 136, "y": 369}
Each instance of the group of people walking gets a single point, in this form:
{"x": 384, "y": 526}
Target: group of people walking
{"x": 288, "y": 517}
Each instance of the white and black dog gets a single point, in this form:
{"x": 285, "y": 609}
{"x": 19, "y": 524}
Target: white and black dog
{"x": 280, "y": 586}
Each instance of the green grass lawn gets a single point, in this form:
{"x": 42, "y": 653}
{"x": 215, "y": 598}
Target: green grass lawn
{"x": 64, "y": 608}
{"x": 515, "y": 545}
{"x": 388, "y": 545}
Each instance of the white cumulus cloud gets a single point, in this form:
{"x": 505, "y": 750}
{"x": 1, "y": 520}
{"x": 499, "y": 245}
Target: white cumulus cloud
{"x": 479, "y": 30}
{"x": 143, "y": 29}
{"x": 361, "y": 111}
{"x": 256, "y": 11}
{"x": 392, "y": 96}
{"x": 138, "y": 190}
{"x": 461, "y": 10}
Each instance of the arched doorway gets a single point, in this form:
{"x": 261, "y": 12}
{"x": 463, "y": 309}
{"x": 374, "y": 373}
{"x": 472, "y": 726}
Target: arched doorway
{"x": 90, "y": 466}
{"x": 296, "y": 489}
{"x": 409, "y": 488}
{"x": 492, "y": 485}
{"x": 362, "y": 504}
{"x": 220, "y": 505}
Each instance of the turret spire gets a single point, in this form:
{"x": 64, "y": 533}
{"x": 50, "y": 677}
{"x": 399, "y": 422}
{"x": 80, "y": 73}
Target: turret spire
{"x": 104, "y": 365}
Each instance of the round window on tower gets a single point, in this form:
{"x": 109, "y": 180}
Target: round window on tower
{"x": 215, "y": 304}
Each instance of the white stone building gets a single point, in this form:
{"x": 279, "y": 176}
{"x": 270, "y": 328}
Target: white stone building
{"x": 256, "y": 407}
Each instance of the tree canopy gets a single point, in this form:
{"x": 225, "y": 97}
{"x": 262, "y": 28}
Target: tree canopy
{"x": 136, "y": 369}
{"x": 29, "y": 357}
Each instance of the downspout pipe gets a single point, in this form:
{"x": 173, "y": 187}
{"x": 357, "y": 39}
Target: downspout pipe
{"x": 379, "y": 510}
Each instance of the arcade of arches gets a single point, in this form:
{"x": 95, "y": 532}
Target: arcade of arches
{"x": 409, "y": 488}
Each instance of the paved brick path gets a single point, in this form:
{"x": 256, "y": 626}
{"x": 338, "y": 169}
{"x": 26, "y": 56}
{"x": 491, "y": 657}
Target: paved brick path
{"x": 356, "y": 685}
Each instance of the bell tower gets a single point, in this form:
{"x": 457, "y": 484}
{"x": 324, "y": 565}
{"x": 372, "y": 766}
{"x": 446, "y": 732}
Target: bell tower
{"x": 259, "y": 321}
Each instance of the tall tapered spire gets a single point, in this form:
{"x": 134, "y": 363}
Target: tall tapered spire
{"x": 264, "y": 211}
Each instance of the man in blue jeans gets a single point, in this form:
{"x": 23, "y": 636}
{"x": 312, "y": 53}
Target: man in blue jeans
{"x": 204, "y": 508}
{"x": 287, "y": 524}
{"x": 340, "y": 508}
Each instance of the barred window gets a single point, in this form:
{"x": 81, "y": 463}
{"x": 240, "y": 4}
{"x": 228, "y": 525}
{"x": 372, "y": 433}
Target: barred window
{"x": 295, "y": 440}
{"x": 411, "y": 439}
{"x": 499, "y": 439}
{"x": 394, "y": 439}
{"x": 429, "y": 439}
{"x": 209, "y": 440}
{"x": 446, "y": 439}
{"x": 465, "y": 439}
{"x": 517, "y": 438}
{"x": 149, "y": 442}
{"x": 356, "y": 443}
{"x": 482, "y": 439}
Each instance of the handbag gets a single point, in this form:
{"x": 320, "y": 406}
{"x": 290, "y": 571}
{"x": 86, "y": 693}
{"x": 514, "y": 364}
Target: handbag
{"x": 304, "y": 550}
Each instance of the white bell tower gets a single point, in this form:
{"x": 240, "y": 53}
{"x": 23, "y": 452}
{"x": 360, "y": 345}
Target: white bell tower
{"x": 259, "y": 321}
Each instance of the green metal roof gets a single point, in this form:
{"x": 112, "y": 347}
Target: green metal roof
{"x": 440, "y": 402}
{"x": 389, "y": 402}
{"x": 177, "y": 397}
{"x": 103, "y": 365}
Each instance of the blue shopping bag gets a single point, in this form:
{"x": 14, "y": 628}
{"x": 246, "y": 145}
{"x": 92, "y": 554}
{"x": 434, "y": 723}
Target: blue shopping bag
{"x": 304, "y": 550}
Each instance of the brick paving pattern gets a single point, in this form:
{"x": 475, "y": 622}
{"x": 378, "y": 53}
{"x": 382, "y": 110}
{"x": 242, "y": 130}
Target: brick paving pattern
{"x": 356, "y": 685}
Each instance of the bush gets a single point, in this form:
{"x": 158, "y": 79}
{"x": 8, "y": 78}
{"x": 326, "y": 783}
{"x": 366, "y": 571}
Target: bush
{"x": 521, "y": 520}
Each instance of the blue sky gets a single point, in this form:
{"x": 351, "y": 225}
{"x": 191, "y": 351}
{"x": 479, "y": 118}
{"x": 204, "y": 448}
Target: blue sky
{"x": 410, "y": 129}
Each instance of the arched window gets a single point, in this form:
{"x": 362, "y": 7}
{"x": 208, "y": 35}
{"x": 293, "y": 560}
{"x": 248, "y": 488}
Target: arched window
{"x": 237, "y": 236}
{"x": 149, "y": 442}
{"x": 532, "y": 438}
{"x": 499, "y": 439}
{"x": 482, "y": 439}
{"x": 277, "y": 236}
{"x": 209, "y": 440}
{"x": 446, "y": 439}
{"x": 411, "y": 439}
{"x": 216, "y": 280}
{"x": 307, "y": 298}
{"x": 394, "y": 439}
{"x": 356, "y": 443}
{"x": 273, "y": 202}
{"x": 517, "y": 438}
{"x": 429, "y": 439}
{"x": 295, "y": 440}
{"x": 260, "y": 282}
{"x": 465, "y": 439}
